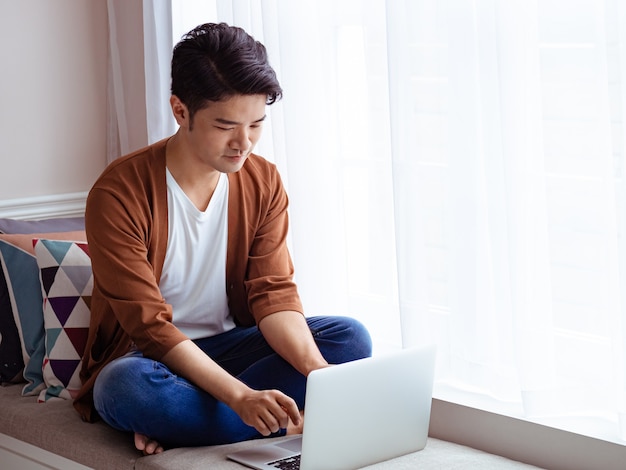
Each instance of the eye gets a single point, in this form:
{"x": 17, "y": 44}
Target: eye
{"x": 224, "y": 128}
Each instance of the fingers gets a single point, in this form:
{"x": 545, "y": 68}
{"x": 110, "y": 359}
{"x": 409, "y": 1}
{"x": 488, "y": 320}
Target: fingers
{"x": 268, "y": 411}
{"x": 276, "y": 413}
{"x": 271, "y": 422}
{"x": 292, "y": 411}
{"x": 296, "y": 428}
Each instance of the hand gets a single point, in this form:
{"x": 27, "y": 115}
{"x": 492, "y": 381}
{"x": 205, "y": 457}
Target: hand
{"x": 267, "y": 411}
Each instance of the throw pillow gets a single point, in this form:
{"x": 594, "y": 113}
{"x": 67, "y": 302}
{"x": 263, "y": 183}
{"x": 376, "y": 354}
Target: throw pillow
{"x": 21, "y": 274}
{"x": 11, "y": 358}
{"x": 66, "y": 283}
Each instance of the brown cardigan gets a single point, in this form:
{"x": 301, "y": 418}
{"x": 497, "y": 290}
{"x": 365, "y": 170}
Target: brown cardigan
{"x": 126, "y": 224}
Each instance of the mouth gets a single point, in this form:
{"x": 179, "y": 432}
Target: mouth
{"x": 235, "y": 158}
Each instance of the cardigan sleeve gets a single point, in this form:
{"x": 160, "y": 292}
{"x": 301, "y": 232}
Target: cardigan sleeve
{"x": 119, "y": 230}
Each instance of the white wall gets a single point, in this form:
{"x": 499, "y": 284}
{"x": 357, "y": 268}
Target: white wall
{"x": 53, "y": 57}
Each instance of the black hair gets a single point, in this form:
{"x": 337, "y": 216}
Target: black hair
{"x": 213, "y": 62}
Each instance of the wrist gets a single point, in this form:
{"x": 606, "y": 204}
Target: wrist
{"x": 236, "y": 393}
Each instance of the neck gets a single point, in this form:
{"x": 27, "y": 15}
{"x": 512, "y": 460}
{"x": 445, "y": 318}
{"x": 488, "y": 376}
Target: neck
{"x": 196, "y": 181}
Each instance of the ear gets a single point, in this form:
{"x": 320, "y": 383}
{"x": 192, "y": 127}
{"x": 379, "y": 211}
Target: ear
{"x": 180, "y": 111}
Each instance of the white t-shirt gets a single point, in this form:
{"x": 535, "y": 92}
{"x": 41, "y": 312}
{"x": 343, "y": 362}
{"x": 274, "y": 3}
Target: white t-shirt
{"x": 194, "y": 273}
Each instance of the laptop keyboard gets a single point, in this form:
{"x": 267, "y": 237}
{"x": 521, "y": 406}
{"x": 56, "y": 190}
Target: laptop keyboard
{"x": 289, "y": 463}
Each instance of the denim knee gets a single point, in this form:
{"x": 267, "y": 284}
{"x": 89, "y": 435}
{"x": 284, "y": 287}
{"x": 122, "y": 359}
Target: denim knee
{"x": 341, "y": 339}
{"x": 361, "y": 342}
{"x": 115, "y": 386}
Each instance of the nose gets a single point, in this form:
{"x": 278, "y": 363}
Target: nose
{"x": 241, "y": 141}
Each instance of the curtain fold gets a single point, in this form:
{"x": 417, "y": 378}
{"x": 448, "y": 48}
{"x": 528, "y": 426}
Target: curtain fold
{"x": 158, "y": 43}
{"x": 140, "y": 46}
{"x": 456, "y": 175}
{"x": 126, "y": 88}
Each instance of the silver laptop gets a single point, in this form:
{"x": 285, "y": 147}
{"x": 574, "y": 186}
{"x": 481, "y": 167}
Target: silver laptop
{"x": 357, "y": 414}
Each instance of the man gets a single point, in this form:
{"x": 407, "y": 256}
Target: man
{"x": 197, "y": 334}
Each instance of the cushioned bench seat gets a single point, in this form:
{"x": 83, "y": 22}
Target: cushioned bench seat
{"x": 56, "y": 427}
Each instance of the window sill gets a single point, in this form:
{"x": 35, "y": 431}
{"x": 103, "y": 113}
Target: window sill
{"x": 518, "y": 439}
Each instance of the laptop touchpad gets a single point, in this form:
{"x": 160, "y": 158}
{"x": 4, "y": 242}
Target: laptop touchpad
{"x": 294, "y": 444}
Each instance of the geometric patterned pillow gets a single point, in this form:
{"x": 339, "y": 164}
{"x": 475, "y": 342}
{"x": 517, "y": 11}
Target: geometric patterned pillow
{"x": 66, "y": 286}
{"x": 23, "y": 311}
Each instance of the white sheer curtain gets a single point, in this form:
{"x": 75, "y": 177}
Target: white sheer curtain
{"x": 456, "y": 175}
{"x": 508, "y": 189}
{"x": 140, "y": 47}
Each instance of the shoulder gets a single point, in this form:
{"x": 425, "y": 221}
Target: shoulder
{"x": 260, "y": 173}
{"x": 133, "y": 186}
{"x": 258, "y": 187}
{"x": 257, "y": 165}
{"x": 146, "y": 164}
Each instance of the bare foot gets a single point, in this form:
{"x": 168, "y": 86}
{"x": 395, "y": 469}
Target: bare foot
{"x": 293, "y": 429}
{"x": 147, "y": 445}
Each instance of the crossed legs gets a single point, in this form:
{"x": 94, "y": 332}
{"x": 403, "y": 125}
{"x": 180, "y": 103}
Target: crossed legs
{"x": 137, "y": 394}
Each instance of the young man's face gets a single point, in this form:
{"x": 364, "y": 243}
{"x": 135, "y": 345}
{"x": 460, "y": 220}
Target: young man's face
{"x": 223, "y": 134}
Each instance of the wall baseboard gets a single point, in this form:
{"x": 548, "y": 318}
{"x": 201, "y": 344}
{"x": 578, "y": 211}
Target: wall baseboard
{"x": 44, "y": 207}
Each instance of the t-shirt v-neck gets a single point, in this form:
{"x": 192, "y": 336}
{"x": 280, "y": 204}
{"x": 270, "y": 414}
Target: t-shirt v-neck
{"x": 194, "y": 272}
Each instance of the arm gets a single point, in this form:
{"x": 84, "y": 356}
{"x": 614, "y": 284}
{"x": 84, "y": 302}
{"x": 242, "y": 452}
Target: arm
{"x": 289, "y": 335}
{"x": 272, "y": 296}
{"x": 266, "y": 410}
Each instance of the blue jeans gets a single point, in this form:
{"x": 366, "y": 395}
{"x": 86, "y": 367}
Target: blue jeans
{"x": 137, "y": 394}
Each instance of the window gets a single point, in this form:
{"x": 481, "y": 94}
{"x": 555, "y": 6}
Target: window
{"x": 455, "y": 171}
